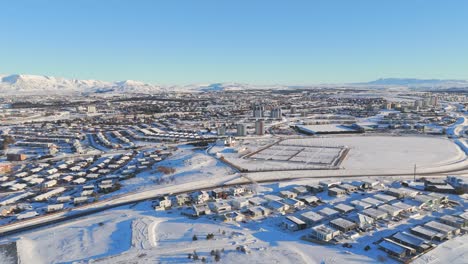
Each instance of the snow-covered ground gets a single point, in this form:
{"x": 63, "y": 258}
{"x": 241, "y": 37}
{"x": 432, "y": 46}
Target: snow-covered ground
{"x": 367, "y": 155}
{"x": 139, "y": 234}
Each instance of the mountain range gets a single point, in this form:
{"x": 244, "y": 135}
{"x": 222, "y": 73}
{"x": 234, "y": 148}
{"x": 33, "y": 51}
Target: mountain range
{"x": 22, "y": 84}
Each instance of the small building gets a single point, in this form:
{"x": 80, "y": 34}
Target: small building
{"x": 221, "y": 207}
{"x": 360, "y": 205}
{"x": 232, "y": 217}
{"x": 201, "y": 209}
{"x": 237, "y": 190}
{"x": 200, "y": 197}
{"x": 370, "y": 184}
{"x": 16, "y": 157}
{"x": 219, "y": 193}
{"x": 80, "y": 200}
{"x": 288, "y": 194}
{"x": 64, "y": 199}
{"x": 162, "y": 203}
{"x": 327, "y": 184}
{"x": 395, "y": 249}
{"x": 328, "y": 212}
{"x": 258, "y": 211}
{"x": 293, "y": 223}
{"x": 240, "y": 203}
{"x": 384, "y": 198}
{"x": 401, "y": 192}
{"x": 271, "y": 197}
{"x": 343, "y": 208}
{"x": 182, "y": 199}
{"x": 323, "y": 232}
{"x": 406, "y": 207}
{"x": 375, "y": 213}
{"x": 7, "y": 209}
{"x": 26, "y": 215}
{"x": 314, "y": 188}
{"x": 447, "y": 230}
{"x": 348, "y": 187}
{"x": 256, "y": 201}
{"x": 372, "y": 201}
{"x": 391, "y": 210}
{"x": 454, "y": 221}
{"x": 311, "y": 218}
{"x": 278, "y": 206}
{"x": 343, "y": 225}
{"x": 334, "y": 191}
{"x": 309, "y": 199}
{"x": 54, "y": 207}
{"x": 411, "y": 241}
{"x": 294, "y": 203}
{"x": 299, "y": 190}
{"x": 427, "y": 233}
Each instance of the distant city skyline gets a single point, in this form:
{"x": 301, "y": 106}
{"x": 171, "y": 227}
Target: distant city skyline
{"x": 258, "y": 42}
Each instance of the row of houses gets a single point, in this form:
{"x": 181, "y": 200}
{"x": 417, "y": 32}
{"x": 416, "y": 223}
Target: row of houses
{"x": 406, "y": 245}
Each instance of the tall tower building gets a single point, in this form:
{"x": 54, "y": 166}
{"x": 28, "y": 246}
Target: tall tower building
{"x": 241, "y": 132}
{"x": 276, "y": 113}
{"x": 258, "y": 110}
{"x": 259, "y": 127}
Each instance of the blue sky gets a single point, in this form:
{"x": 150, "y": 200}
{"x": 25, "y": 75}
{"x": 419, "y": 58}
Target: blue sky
{"x": 255, "y": 41}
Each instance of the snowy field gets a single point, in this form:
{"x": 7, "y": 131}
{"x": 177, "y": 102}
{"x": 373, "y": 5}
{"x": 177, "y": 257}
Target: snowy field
{"x": 140, "y": 235}
{"x": 367, "y": 155}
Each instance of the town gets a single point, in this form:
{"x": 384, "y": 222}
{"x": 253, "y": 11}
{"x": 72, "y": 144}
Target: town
{"x": 352, "y": 170}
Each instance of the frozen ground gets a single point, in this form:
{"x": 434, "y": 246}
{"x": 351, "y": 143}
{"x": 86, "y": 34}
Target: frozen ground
{"x": 141, "y": 235}
{"x": 189, "y": 164}
{"x": 368, "y": 155}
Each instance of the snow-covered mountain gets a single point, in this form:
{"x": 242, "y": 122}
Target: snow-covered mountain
{"x": 37, "y": 84}
{"x": 419, "y": 83}
{"x": 21, "y": 84}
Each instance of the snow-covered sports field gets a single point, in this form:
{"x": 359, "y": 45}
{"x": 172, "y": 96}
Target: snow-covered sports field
{"x": 368, "y": 154}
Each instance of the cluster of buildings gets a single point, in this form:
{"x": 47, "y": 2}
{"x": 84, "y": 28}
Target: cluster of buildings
{"x": 47, "y": 187}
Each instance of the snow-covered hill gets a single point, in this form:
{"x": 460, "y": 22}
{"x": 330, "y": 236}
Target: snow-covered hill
{"x": 37, "y": 84}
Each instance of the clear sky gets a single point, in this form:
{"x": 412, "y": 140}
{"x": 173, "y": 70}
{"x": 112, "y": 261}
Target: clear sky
{"x": 255, "y": 41}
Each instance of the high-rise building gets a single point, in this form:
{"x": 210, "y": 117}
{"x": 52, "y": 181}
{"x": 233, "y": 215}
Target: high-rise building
{"x": 221, "y": 130}
{"x": 258, "y": 110}
{"x": 259, "y": 127}
{"x": 276, "y": 113}
{"x": 241, "y": 132}
{"x": 293, "y": 110}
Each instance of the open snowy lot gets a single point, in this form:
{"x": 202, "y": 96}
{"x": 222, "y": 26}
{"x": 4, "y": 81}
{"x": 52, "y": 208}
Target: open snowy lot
{"x": 140, "y": 235}
{"x": 368, "y": 155}
{"x": 387, "y": 152}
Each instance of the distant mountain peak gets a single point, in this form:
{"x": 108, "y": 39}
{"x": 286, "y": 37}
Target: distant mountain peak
{"x": 415, "y": 81}
{"x": 38, "y": 84}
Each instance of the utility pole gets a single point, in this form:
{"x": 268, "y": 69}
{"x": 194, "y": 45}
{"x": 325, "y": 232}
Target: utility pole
{"x": 414, "y": 174}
